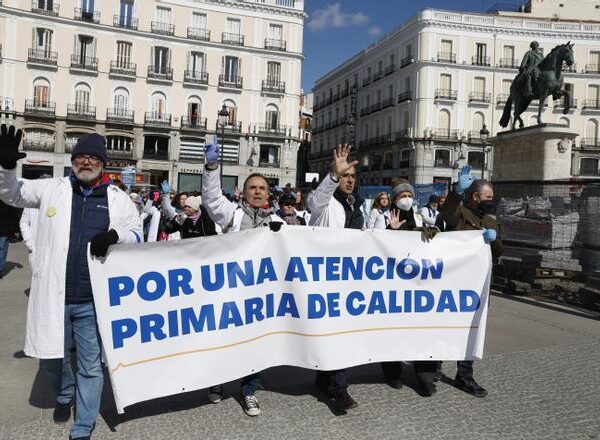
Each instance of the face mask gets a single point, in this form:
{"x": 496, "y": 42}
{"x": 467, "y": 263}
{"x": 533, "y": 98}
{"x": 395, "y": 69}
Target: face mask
{"x": 487, "y": 207}
{"x": 405, "y": 204}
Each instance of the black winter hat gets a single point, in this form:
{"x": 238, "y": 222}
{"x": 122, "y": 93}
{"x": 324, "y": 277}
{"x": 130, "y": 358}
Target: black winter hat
{"x": 92, "y": 144}
{"x": 287, "y": 199}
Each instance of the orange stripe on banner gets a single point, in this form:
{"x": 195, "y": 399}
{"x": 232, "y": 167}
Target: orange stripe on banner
{"x": 308, "y": 335}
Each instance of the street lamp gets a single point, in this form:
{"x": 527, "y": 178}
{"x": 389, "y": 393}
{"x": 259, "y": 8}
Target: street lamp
{"x": 223, "y": 117}
{"x": 484, "y": 134}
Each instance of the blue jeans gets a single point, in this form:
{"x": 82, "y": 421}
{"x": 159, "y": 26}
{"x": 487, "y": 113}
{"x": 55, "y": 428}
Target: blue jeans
{"x": 80, "y": 322}
{"x": 3, "y": 252}
{"x": 250, "y": 384}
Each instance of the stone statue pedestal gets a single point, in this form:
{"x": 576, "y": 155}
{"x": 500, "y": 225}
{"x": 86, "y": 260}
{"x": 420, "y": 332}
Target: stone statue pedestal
{"x": 541, "y": 152}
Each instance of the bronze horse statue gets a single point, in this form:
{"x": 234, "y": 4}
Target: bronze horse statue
{"x": 549, "y": 82}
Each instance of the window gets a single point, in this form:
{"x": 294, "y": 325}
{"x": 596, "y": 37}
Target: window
{"x": 478, "y": 121}
{"x": 391, "y": 91}
{"x": 82, "y": 97}
{"x": 408, "y": 52}
{"x": 594, "y": 93}
{"x": 34, "y": 136}
{"x": 161, "y": 60}
{"x": 234, "y": 26}
{"x": 476, "y": 159}
{"x": 407, "y": 84}
{"x": 87, "y": 6}
{"x": 480, "y": 86}
{"x": 446, "y": 47}
{"x": 196, "y": 64}
{"x": 199, "y": 20}
{"x": 231, "y": 68}
{"x": 163, "y": 15}
{"x": 273, "y": 72}
{"x": 442, "y": 158}
{"x": 269, "y": 155}
{"x": 232, "y": 110}
{"x": 481, "y": 54}
{"x": 445, "y": 82}
{"x": 159, "y": 104}
{"x": 404, "y": 158}
{"x": 121, "y": 101}
{"x": 85, "y": 48}
{"x": 119, "y": 143}
{"x": 275, "y": 32}
{"x": 591, "y": 132}
{"x": 392, "y": 59}
{"x": 194, "y": 111}
{"x": 46, "y": 5}
{"x": 123, "y": 54}
{"x": 272, "y": 117}
{"x": 405, "y": 120}
{"x": 42, "y": 40}
{"x": 588, "y": 166}
{"x": 444, "y": 121}
{"x": 595, "y": 60}
{"x": 125, "y": 13}
{"x": 41, "y": 93}
{"x": 508, "y": 53}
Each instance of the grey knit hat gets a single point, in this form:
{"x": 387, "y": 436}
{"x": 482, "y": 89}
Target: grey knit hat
{"x": 403, "y": 187}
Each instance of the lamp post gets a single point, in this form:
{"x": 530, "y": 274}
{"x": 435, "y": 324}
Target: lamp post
{"x": 484, "y": 134}
{"x": 223, "y": 117}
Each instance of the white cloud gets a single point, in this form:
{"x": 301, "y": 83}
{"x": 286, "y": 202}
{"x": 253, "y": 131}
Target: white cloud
{"x": 333, "y": 17}
{"x": 374, "y": 31}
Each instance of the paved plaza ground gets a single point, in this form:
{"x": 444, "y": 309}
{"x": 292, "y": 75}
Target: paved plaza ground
{"x": 541, "y": 369}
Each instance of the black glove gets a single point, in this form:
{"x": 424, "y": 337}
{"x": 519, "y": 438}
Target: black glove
{"x": 9, "y": 147}
{"x": 275, "y": 226}
{"x": 427, "y": 234}
{"x": 100, "y": 242}
{"x": 314, "y": 184}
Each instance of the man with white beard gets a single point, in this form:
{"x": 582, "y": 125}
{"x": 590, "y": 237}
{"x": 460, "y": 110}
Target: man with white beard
{"x": 73, "y": 211}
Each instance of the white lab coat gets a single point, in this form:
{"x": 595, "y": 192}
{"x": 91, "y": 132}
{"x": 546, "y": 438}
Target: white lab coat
{"x": 325, "y": 210}
{"x": 44, "y": 337}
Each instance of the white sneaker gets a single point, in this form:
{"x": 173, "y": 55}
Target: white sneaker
{"x": 250, "y": 405}
{"x": 215, "y": 394}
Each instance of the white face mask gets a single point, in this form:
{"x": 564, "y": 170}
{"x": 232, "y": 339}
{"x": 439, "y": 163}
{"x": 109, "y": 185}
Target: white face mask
{"x": 405, "y": 204}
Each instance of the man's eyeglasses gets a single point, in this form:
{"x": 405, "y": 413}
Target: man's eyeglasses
{"x": 81, "y": 158}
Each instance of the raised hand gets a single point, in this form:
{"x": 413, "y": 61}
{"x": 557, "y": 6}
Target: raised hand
{"x": 164, "y": 187}
{"x": 10, "y": 139}
{"x": 211, "y": 153}
{"x": 465, "y": 179}
{"x": 395, "y": 222}
{"x": 340, "y": 161}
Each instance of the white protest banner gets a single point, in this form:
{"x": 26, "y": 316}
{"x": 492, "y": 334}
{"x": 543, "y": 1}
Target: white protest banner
{"x": 185, "y": 315}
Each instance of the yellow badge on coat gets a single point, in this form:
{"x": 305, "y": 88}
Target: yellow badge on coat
{"x": 51, "y": 211}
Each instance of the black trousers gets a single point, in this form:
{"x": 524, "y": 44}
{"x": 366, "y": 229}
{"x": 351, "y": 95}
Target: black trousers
{"x": 334, "y": 382}
{"x": 464, "y": 369}
{"x": 426, "y": 371}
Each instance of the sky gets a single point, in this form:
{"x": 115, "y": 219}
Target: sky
{"x": 337, "y": 29}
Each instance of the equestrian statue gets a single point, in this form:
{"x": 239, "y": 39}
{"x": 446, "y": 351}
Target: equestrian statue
{"x": 538, "y": 77}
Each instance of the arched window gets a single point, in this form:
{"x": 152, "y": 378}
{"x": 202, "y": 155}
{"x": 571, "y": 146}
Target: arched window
{"x": 478, "y": 121}
{"x": 404, "y": 158}
{"x": 159, "y": 104}
{"x": 591, "y": 132}
{"x": 121, "y": 101}
{"x": 82, "y": 97}
{"x": 194, "y": 114}
{"x": 443, "y": 128}
{"x": 271, "y": 117}
{"x": 41, "y": 92}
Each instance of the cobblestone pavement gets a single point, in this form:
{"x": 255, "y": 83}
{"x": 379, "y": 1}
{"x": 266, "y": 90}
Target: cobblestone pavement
{"x": 541, "y": 369}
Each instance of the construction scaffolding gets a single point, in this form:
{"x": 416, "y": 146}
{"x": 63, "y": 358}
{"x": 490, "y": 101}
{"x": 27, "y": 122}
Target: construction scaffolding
{"x": 551, "y": 240}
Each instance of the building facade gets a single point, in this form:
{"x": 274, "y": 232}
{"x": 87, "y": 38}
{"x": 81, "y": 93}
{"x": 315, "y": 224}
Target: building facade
{"x": 152, "y": 76}
{"x": 419, "y": 97}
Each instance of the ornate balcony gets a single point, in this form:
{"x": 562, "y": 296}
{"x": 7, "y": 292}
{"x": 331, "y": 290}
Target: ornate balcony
{"x": 592, "y": 68}
{"x": 480, "y": 60}
{"x": 272, "y": 44}
{"x": 40, "y": 108}
{"x": 35, "y": 145}
{"x": 47, "y": 10}
{"x": 501, "y": 98}
{"x": 560, "y": 104}
{"x": 81, "y": 112}
{"x": 198, "y": 34}
{"x": 88, "y": 64}
{"x": 232, "y": 39}
{"x": 87, "y": 16}
{"x": 157, "y": 119}
{"x": 194, "y": 77}
{"x": 508, "y": 63}
{"x": 273, "y": 86}
{"x": 591, "y": 104}
{"x": 125, "y": 22}
{"x": 406, "y": 61}
{"x": 446, "y": 57}
{"x": 589, "y": 143}
{"x": 276, "y": 130}
{"x": 120, "y": 68}
{"x": 446, "y": 94}
{"x": 162, "y": 73}
{"x": 42, "y": 57}
{"x": 120, "y": 116}
{"x": 404, "y": 96}
{"x": 157, "y": 27}
{"x": 193, "y": 122}
{"x": 480, "y": 97}
{"x": 230, "y": 81}
{"x": 446, "y": 134}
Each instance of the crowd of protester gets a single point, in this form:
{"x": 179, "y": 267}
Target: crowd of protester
{"x": 87, "y": 208}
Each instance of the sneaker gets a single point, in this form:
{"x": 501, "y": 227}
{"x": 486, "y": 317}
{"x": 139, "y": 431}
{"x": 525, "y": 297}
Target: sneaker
{"x": 62, "y": 412}
{"x": 250, "y": 405}
{"x": 468, "y": 385}
{"x": 215, "y": 394}
{"x": 343, "y": 401}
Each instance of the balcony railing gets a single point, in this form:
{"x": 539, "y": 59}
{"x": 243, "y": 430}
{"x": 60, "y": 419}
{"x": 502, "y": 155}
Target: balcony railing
{"x": 198, "y": 34}
{"x": 84, "y": 63}
{"x": 508, "y": 63}
{"x": 158, "y": 27}
{"x": 406, "y": 61}
{"x": 230, "y": 127}
{"x": 87, "y": 16}
{"x": 445, "y": 134}
{"x": 195, "y": 77}
{"x": 592, "y": 68}
{"x": 366, "y": 81}
{"x": 480, "y": 97}
{"x": 570, "y": 69}
{"x": 267, "y": 164}
{"x": 31, "y": 145}
{"x": 474, "y": 137}
{"x": 126, "y": 22}
{"x": 162, "y": 73}
{"x": 590, "y": 143}
{"x": 390, "y": 69}
{"x": 119, "y": 154}
{"x": 404, "y": 96}
{"x": 480, "y": 60}
{"x": 561, "y": 103}
{"x": 156, "y": 155}
{"x": 40, "y": 56}
{"x": 155, "y": 118}
{"x": 273, "y": 86}
{"x": 446, "y": 57}
{"x": 278, "y": 130}
{"x": 591, "y": 104}
{"x": 272, "y": 44}
{"x": 389, "y": 102}
{"x": 120, "y": 115}
{"x": 233, "y": 39}
{"x": 193, "y": 122}
{"x": 378, "y": 75}
{"x": 123, "y": 68}
{"x": 235, "y": 82}
{"x": 450, "y": 95}
{"x": 42, "y": 108}
{"x": 501, "y": 98}
{"x": 81, "y": 112}
{"x": 52, "y": 10}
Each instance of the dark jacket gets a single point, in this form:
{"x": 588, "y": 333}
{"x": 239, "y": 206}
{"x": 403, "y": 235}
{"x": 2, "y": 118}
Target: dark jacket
{"x": 461, "y": 218}
{"x": 409, "y": 216}
{"x": 9, "y": 219}
{"x": 203, "y": 227}
{"x": 354, "y": 215}
{"x": 89, "y": 216}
